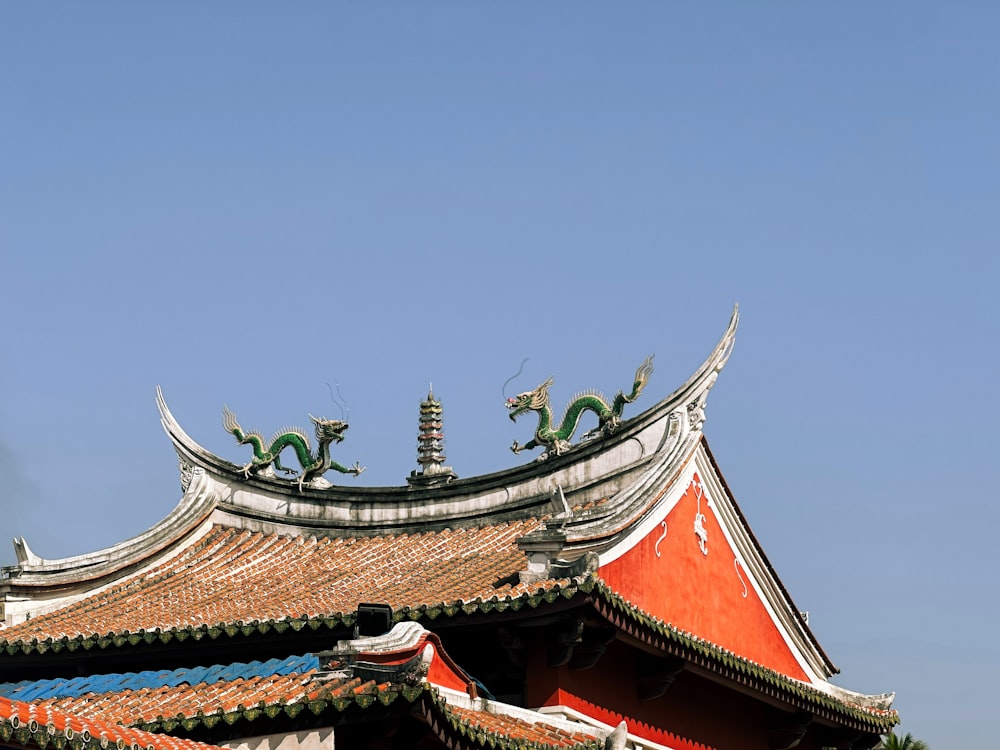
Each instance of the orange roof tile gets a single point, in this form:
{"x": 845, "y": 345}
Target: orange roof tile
{"x": 109, "y": 714}
{"x": 165, "y": 707}
{"x": 236, "y": 576}
{"x": 509, "y": 727}
{"x": 148, "y": 706}
{"x": 25, "y": 723}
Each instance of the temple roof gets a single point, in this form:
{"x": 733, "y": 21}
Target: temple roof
{"x": 234, "y": 583}
{"x": 247, "y": 555}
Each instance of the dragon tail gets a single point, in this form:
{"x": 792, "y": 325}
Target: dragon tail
{"x": 642, "y": 374}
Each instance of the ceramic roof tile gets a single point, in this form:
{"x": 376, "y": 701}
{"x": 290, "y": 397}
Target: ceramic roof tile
{"x": 34, "y": 724}
{"x": 517, "y": 730}
{"x": 32, "y": 690}
{"x": 118, "y": 715}
{"x": 162, "y": 708}
{"x": 237, "y": 576}
{"x": 152, "y": 706}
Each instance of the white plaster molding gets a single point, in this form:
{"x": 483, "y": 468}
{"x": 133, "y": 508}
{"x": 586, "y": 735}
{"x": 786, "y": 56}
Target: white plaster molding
{"x": 403, "y": 636}
{"x": 653, "y": 518}
{"x": 37, "y": 585}
{"x": 195, "y": 505}
{"x": 17, "y": 608}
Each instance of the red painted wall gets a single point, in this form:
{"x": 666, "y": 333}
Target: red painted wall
{"x": 697, "y": 593}
{"x": 442, "y": 672}
{"x": 694, "y": 713}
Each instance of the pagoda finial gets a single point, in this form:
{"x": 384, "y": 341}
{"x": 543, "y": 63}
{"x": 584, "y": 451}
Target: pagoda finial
{"x": 430, "y": 443}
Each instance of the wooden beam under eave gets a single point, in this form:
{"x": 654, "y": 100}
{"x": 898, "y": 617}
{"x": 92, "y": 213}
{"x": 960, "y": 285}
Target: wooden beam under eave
{"x": 656, "y": 675}
{"x": 786, "y": 732}
{"x": 845, "y": 739}
{"x": 564, "y": 640}
{"x": 593, "y": 646}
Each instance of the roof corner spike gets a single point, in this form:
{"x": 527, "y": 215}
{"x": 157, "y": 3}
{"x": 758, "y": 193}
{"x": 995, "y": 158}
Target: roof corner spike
{"x": 430, "y": 444}
{"x": 701, "y": 382}
{"x": 725, "y": 346}
{"x": 23, "y": 552}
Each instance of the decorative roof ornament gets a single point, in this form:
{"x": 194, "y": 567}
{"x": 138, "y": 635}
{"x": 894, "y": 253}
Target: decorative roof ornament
{"x": 651, "y": 443}
{"x": 430, "y": 444}
{"x": 266, "y": 455}
{"x": 555, "y": 440}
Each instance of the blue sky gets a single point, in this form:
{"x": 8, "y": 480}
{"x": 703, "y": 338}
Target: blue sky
{"x": 247, "y": 201}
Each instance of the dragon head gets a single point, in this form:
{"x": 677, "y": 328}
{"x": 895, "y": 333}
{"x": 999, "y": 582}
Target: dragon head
{"x": 535, "y": 400}
{"x": 328, "y": 430}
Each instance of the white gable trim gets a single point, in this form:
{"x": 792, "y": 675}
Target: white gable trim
{"x": 758, "y": 574}
{"x": 754, "y": 570}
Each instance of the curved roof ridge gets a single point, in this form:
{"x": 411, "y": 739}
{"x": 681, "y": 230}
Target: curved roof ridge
{"x": 195, "y": 505}
{"x": 693, "y": 393}
{"x": 868, "y": 701}
{"x": 589, "y": 470}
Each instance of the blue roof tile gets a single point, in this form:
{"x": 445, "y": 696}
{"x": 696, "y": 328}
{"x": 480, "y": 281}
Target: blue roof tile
{"x": 33, "y": 690}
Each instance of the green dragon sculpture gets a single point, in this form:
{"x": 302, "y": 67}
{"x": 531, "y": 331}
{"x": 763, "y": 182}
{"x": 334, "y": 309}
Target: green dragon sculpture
{"x": 556, "y": 440}
{"x": 313, "y": 467}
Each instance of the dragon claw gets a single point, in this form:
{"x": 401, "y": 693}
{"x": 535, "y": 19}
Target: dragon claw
{"x": 357, "y": 468}
{"x": 516, "y": 447}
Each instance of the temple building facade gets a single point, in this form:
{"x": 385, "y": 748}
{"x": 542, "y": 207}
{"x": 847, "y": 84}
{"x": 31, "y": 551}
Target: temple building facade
{"x": 606, "y": 593}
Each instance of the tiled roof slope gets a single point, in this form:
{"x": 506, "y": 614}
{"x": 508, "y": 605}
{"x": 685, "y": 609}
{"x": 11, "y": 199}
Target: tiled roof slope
{"x": 34, "y": 725}
{"x": 164, "y": 706}
{"x": 492, "y": 728}
{"x": 205, "y": 705}
{"x": 36, "y": 690}
{"x": 151, "y": 707}
{"x": 191, "y": 706}
{"x": 231, "y": 576}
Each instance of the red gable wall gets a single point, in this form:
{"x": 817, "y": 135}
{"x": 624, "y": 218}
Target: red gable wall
{"x": 667, "y": 575}
{"x": 694, "y": 713}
